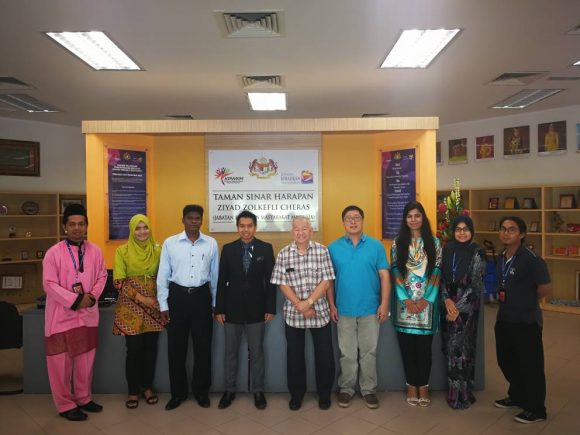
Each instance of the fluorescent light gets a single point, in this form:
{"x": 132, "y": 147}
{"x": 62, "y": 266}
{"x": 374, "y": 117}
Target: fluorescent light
{"x": 267, "y": 100}
{"x": 525, "y": 98}
{"x": 577, "y": 63}
{"x": 96, "y": 49}
{"x": 27, "y": 103}
{"x": 417, "y": 48}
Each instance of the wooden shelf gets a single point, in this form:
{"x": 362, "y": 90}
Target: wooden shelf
{"x": 33, "y": 260}
{"x": 19, "y": 239}
{"x": 562, "y": 268}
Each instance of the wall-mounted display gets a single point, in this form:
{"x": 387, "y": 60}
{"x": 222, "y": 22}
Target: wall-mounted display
{"x": 552, "y": 138}
{"x": 484, "y": 148}
{"x": 457, "y": 151}
{"x": 19, "y": 157}
{"x": 516, "y": 142}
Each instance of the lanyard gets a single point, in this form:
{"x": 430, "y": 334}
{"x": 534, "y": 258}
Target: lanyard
{"x": 81, "y": 259}
{"x": 505, "y": 267}
{"x": 454, "y": 267}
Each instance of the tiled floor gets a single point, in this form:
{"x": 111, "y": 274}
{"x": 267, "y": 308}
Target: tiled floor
{"x": 35, "y": 414}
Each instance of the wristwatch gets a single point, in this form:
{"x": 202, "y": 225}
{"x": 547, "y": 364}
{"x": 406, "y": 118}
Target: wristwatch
{"x": 310, "y": 301}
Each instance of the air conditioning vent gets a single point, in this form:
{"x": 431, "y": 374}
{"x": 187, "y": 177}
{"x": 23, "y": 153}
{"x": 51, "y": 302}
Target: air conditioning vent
{"x": 250, "y": 24}
{"x": 261, "y": 82}
{"x": 27, "y": 103}
{"x": 564, "y": 78}
{"x": 521, "y": 78}
{"x": 525, "y": 98}
{"x": 11, "y": 83}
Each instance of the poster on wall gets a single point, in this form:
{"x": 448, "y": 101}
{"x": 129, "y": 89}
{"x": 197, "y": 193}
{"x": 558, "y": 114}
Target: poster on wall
{"x": 438, "y": 158}
{"x": 552, "y": 138}
{"x": 127, "y": 189}
{"x": 484, "y": 148}
{"x": 578, "y": 138}
{"x": 276, "y": 185}
{"x": 457, "y": 151}
{"x": 398, "y": 185}
{"x": 516, "y": 142}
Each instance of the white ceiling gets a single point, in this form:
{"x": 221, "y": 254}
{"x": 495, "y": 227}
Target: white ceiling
{"x": 329, "y": 57}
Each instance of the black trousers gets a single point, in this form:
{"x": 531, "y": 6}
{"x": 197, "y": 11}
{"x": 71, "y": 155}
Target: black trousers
{"x": 296, "y": 362}
{"x": 140, "y": 361}
{"x": 520, "y": 356}
{"x": 417, "y": 356}
{"x": 190, "y": 315}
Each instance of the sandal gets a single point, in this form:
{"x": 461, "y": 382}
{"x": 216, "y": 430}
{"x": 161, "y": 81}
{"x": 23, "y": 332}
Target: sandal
{"x": 152, "y": 399}
{"x": 412, "y": 398}
{"x": 132, "y": 403}
{"x": 424, "y": 399}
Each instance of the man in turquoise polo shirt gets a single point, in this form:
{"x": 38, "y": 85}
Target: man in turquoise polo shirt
{"x": 362, "y": 291}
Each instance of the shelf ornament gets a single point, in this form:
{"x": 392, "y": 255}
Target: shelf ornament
{"x": 450, "y": 208}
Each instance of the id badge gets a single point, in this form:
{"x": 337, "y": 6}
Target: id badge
{"x": 78, "y": 288}
{"x": 501, "y": 293}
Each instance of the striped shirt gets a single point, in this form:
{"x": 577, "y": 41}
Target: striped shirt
{"x": 303, "y": 273}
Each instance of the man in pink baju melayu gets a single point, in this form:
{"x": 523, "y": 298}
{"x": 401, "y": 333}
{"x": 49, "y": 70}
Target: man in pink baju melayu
{"x": 74, "y": 276}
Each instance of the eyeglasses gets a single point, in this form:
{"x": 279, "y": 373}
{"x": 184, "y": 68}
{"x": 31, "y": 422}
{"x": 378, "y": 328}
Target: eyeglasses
{"x": 510, "y": 230}
{"x": 462, "y": 230}
{"x": 353, "y": 219}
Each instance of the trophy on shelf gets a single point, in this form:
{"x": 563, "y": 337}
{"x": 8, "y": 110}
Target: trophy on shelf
{"x": 557, "y": 223}
{"x": 12, "y": 232}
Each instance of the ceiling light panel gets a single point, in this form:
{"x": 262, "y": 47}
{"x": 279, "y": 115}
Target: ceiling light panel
{"x": 27, "y": 103}
{"x": 525, "y": 98}
{"x": 267, "y": 101}
{"x": 96, "y": 49}
{"x": 417, "y": 48}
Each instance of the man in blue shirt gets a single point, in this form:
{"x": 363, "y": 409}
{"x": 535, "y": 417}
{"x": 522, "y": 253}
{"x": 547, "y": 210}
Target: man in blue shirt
{"x": 363, "y": 290}
{"x": 186, "y": 289}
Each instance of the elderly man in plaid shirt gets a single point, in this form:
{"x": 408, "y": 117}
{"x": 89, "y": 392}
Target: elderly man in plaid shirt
{"x": 303, "y": 270}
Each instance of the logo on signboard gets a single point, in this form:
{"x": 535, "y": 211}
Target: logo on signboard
{"x": 306, "y": 177}
{"x": 222, "y": 173}
{"x": 127, "y": 155}
{"x": 263, "y": 168}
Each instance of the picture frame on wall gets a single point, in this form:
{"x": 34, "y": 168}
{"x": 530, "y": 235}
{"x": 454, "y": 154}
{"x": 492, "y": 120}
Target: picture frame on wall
{"x": 493, "y": 203}
{"x": 438, "y": 158}
{"x": 529, "y": 203}
{"x": 484, "y": 148}
{"x": 65, "y": 202}
{"x": 567, "y": 201}
{"x": 534, "y": 226}
{"x": 12, "y": 282}
{"x": 19, "y": 157}
{"x": 510, "y": 203}
{"x": 578, "y": 138}
{"x": 552, "y": 138}
{"x": 516, "y": 142}
{"x": 457, "y": 151}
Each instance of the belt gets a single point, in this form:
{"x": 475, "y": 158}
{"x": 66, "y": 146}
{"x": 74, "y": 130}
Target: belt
{"x": 188, "y": 290}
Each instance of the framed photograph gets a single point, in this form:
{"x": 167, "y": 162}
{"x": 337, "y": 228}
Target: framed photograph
{"x": 493, "y": 204}
{"x": 484, "y": 148}
{"x": 567, "y": 201}
{"x": 530, "y": 203}
{"x": 516, "y": 142}
{"x": 578, "y": 285}
{"x": 552, "y": 138}
{"x": 534, "y": 226}
{"x": 438, "y": 159}
{"x": 65, "y": 202}
{"x": 457, "y": 151}
{"x": 510, "y": 203}
{"x": 19, "y": 157}
{"x": 12, "y": 282}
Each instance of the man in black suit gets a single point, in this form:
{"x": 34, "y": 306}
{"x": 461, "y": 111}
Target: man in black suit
{"x": 245, "y": 301}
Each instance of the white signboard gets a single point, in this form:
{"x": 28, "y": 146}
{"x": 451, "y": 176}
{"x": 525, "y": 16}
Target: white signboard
{"x": 276, "y": 185}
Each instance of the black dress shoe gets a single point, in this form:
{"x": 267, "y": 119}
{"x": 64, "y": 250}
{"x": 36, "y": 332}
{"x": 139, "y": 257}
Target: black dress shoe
{"x": 91, "y": 407}
{"x": 226, "y": 400}
{"x": 74, "y": 414}
{"x": 324, "y": 404}
{"x": 295, "y": 404}
{"x": 203, "y": 400}
{"x": 260, "y": 400}
{"x": 173, "y": 403}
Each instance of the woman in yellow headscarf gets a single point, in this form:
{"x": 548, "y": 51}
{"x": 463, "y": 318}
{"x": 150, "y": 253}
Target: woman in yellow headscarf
{"x": 137, "y": 315}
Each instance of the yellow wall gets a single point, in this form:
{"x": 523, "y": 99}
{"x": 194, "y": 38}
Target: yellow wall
{"x": 177, "y": 175}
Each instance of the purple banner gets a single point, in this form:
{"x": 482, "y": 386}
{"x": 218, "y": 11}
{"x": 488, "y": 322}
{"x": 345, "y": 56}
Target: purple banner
{"x": 127, "y": 189}
{"x": 398, "y": 183}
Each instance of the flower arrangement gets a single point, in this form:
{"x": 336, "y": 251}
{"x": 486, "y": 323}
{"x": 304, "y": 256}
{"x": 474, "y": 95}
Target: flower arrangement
{"x": 450, "y": 207}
